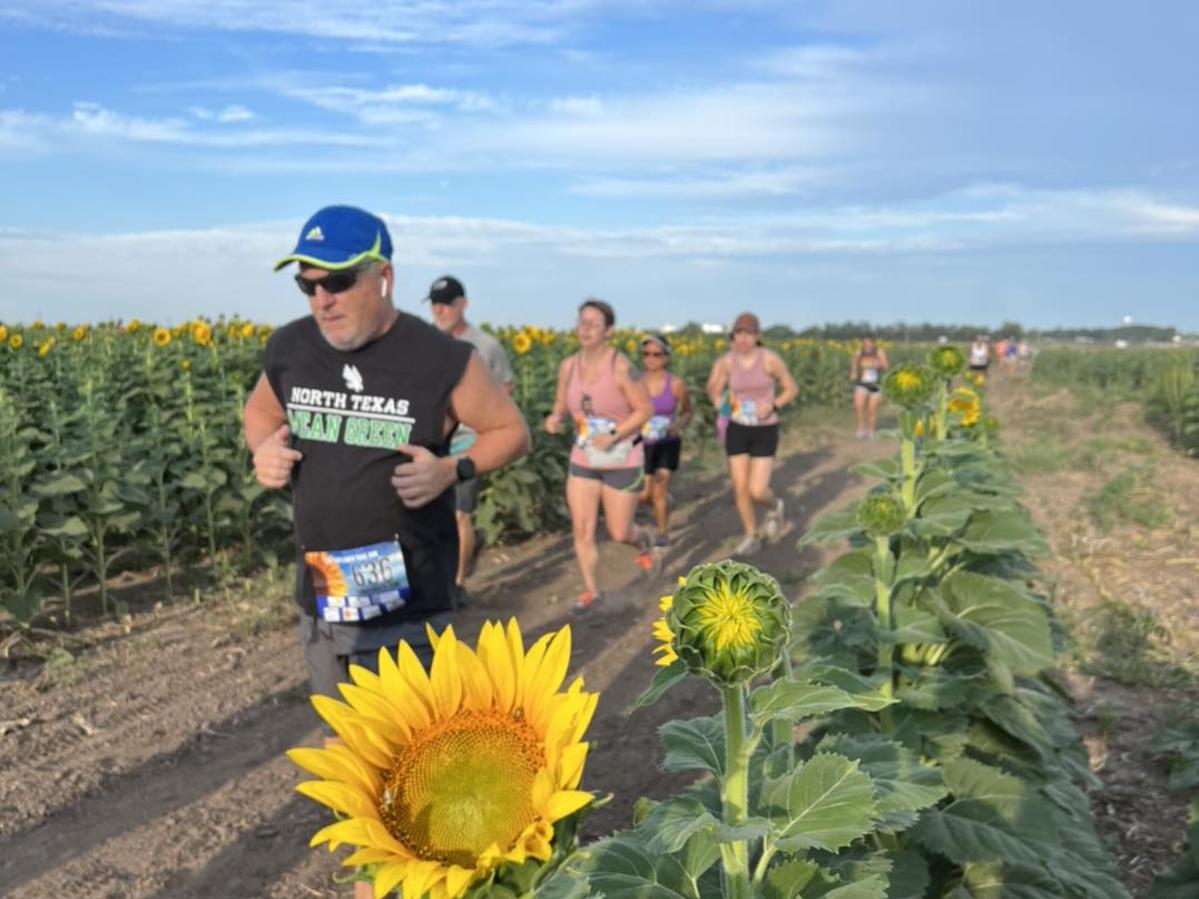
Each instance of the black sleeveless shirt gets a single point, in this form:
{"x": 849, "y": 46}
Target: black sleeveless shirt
{"x": 347, "y": 412}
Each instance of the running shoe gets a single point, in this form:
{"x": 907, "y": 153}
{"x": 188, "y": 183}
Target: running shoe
{"x": 748, "y": 546}
{"x": 587, "y": 599}
{"x": 772, "y": 526}
{"x": 648, "y": 560}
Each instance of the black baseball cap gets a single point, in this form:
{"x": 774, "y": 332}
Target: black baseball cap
{"x": 445, "y": 289}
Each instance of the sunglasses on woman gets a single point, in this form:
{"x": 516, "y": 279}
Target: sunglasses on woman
{"x": 652, "y": 353}
{"x": 333, "y": 282}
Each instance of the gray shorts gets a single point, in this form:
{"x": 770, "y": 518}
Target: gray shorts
{"x": 330, "y": 648}
{"x": 466, "y": 494}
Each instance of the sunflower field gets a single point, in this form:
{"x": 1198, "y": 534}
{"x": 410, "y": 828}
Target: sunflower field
{"x": 1166, "y": 381}
{"x": 121, "y": 446}
{"x": 898, "y": 734}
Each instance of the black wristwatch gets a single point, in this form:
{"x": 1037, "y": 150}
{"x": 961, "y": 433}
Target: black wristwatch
{"x": 466, "y": 468}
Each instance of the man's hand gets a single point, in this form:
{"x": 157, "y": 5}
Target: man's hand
{"x": 553, "y": 422}
{"x": 274, "y": 459}
{"x": 423, "y": 479}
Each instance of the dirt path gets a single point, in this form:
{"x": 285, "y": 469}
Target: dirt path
{"x": 154, "y": 766}
{"x": 1118, "y": 505}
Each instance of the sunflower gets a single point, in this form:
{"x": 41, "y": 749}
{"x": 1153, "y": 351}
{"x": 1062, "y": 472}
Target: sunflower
{"x": 16, "y": 341}
{"x": 946, "y": 361}
{"x": 60, "y": 326}
{"x": 37, "y": 325}
{"x": 79, "y": 334}
{"x": 44, "y": 349}
{"x": 201, "y": 333}
{"x": 663, "y": 634}
{"x": 908, "y": 385}
{"x": 161, "y": 336}
{"x": 3, "y": 333}
{"x": 134, "y": 326}
{"x": 441, "y": 777}
{"x": 522, "y": 343}
{"x": 728, "y": 621}
{"x": 967, "y": 404}
{"x": 185, "y": 364}
{"x": 880, "y": 515}
{"x": 247, "y": 330}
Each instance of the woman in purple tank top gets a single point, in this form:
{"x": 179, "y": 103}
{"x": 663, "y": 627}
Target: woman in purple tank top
{"x": 662, "y": 434}
{"x": 752, "y": 373}
{"x": 606, "y": 462}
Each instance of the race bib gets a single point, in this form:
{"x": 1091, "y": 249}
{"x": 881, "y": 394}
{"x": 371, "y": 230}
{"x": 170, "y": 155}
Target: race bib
{"x": 359, "y": 584}
{"x": 656, "y": 429}
{"x": 745, "y": 412}
{"x": 587, "y": 427}
{"x": 869, "y": 375}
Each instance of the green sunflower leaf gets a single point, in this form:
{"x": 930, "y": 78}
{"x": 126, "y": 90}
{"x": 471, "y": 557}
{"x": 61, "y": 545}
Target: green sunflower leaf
{"x": 826, "y": 803}
{"x": 664, "y": 679}
{"x": 793, "y": 701}
{"x": 694, "y": 744}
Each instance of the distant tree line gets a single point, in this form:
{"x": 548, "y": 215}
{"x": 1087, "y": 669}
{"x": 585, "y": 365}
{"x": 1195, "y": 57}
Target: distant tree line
{"x": 926, "y": 332}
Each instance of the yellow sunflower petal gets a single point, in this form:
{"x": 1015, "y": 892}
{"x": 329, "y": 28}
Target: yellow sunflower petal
{"x": 420, "y": 875}
{"x": 382, "y": 715}
{"x": 546, "y": 678}
{"x": 516, "y": 651}
{"x": 492, "y": 651}
{"x": 457, "y": 879}
{"x": 369, "y": 856}
{"x": 570, "y": 765}
{"x": 412, "y": 672}
{"x": 388, "y": 877}
{"x": 476, "y": 685}
{"x": 406, "y": 703}
{"x": 339, "y": 797}
{"x": 445, "y": 680}
{"x": 566, "y": 802}
{"x": 329, "y": 764}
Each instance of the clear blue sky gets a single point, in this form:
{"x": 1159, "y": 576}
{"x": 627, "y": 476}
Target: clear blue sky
{"x": 960, "y": 160}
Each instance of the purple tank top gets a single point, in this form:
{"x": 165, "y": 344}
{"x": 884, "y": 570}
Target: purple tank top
{"x": 751, "y": 388}
{"x": 597, "y": 407}
{"x": 655, "y": 430}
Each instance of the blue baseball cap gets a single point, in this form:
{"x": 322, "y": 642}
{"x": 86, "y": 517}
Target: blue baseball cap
{"x": 338, "y": 237}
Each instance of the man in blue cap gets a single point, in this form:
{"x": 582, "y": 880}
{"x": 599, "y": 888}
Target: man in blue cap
{"x": 354, "y": 410}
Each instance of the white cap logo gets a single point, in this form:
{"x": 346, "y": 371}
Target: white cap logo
{"x": 440, "y": 284}
{"x": 315, "y": 233}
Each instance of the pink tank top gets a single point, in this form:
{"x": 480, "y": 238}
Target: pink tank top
{"x": 597, "y": 407}
{"x": 750, "y": 389}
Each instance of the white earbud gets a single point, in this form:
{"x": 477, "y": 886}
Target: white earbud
{"x": 383, "y": 293}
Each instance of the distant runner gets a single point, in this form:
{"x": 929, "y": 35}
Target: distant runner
{"x": 449, "y": 302}
{"x": 751, "y": 373}
{"x": 866, "y": 374}
{"x": 606, "y": 462}
{"x": 662, "y": 434}
{"x": 980, "y": 356}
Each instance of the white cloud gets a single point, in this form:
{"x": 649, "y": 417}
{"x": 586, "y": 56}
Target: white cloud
{"x": 23, "y": 131}
{"x": 526, "y": 268}
{"x": 731, "y": 185}
{"x": 396, "y": 104}
{"x": 395, "y": 22}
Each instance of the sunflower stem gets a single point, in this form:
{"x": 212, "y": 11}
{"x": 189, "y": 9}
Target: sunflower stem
{"x": 883, "y": 569}
{"x": 943, "y": 410}
{"x": 734, "y": 792}
{"x": 907, "y": 448}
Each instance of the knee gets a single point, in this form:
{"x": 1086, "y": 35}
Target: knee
{"x": 584, "y": 531}
{"x": 618, "y": 532}
{"x": 760, "y": 494}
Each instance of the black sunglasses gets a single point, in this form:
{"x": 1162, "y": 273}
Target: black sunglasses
{"x": 333, "y": 282}
{"x": 652, "y": 353}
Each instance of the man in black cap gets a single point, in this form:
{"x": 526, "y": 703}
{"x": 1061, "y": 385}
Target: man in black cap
{"x": 449, "y": 302}
{"x": 354, "y": 409}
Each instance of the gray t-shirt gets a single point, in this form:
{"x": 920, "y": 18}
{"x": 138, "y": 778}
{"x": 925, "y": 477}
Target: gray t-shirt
{"x": 501, "y": 370}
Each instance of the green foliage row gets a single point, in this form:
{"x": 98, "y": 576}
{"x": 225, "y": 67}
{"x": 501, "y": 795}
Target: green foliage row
{"x": 1165, "y": 380}
{"x": 912, "y": 743}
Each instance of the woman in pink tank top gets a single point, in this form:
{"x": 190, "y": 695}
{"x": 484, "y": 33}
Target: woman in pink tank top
{"x": 759, "y": 385}
{"x": 606, "y": 461}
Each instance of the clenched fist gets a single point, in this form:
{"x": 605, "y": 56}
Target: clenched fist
{"x": 274, "y": 459}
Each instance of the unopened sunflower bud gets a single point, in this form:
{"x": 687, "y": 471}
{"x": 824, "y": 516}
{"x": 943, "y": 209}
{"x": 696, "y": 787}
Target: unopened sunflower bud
{"x": 730, "y": 621}
{"x": 946, "y": 361}
{"x": 880, "y": 515}
{"x": 908, "y": 385}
